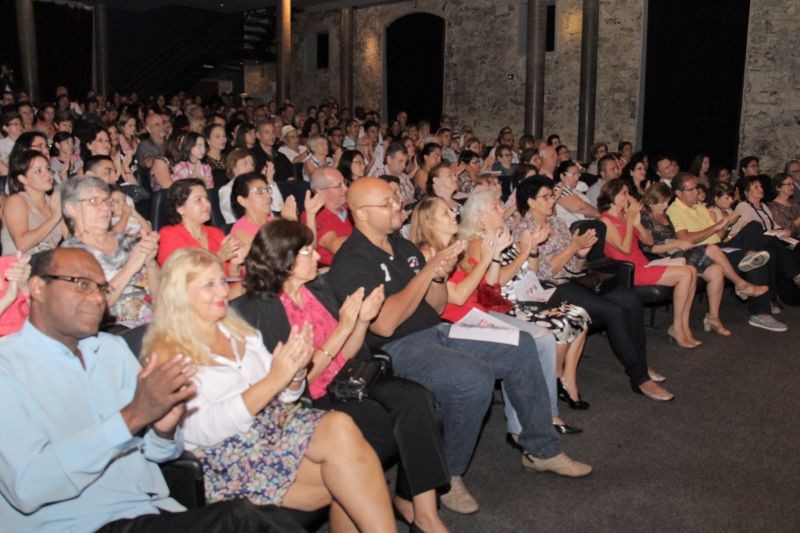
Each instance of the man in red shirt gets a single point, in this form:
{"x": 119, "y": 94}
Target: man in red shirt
{"x": 333, "y": 221}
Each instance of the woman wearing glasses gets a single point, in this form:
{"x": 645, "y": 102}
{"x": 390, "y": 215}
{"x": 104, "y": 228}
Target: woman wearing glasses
{"x": 561, "y": 257}
{"x": 128, "y": 262}
{"x": 572, "y": 205}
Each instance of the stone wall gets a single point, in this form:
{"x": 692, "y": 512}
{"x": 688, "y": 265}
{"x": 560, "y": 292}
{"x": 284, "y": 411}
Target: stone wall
{"x": 481, "y": 54}
{"x": 770, "y": 119}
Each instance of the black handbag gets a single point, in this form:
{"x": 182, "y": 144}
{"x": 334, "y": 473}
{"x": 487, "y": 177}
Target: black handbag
{"x": 357, "y": 377}
{"x": 600, "y": 276}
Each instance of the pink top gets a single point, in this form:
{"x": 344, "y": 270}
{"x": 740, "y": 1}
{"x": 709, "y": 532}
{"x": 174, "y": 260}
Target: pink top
{"x": 15, "y": 315}
{"x": 245, "y": 225}
{"x": 183, "y": 170}
{"x": 323, "y": 324}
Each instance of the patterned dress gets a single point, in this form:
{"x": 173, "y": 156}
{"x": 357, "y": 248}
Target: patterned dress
{"x": 695, "y": 256}
{"x": 246, "y": 456}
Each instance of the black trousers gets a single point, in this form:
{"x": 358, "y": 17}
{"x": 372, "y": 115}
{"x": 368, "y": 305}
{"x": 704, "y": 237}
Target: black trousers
{"x": 621, "y": 311}
{"x": 400, "y": 417}
{"x": 223, "y": 517}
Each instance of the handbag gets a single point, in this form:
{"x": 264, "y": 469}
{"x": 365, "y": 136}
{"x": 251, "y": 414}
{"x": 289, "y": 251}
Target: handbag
{"x": 603, "y": 275}
{"x": 358, "y": 376}
{"x": 489, "y": 298}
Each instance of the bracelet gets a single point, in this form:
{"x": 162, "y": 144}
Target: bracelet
{"x": 326, "y": 352}
{"x": 440, "y": 279}
{"x": 534, "y": 255}
{"x": 498, "y": 261}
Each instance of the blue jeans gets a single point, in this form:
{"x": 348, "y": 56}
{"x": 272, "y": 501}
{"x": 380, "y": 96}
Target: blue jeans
{"x": 462, "y": 373}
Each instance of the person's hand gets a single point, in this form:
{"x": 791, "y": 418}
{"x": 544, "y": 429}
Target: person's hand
{"x": 458, "y": 168}
{"x": 146, "y": 249}
{"x": 681, "y": 244}
{"x": 17, "y": 275}
{"x": 313, "y": 204}
{"x": 269, "y": 172}
{"x": 443, "y": 262}
{"x": 158, "y": 392}
{"x": 289, "y": 210}
{"x": 583, "y": 242}
{"x": 227, "y": 250}
{"x": 293, "y": 355}
{"x": 350, "y": 309}
{"x": 372, "y": 304}
{"x": 165, "y": 426}
{"x": 54, "y": 203}
{"x": 633, "y": 212}
{"x": 541, "y": 234}
{"x": 524, "y": 242}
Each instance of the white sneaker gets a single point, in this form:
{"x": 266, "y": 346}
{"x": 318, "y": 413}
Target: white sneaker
{"x": 753, "y": 260}
{"x": 768, "y": 323}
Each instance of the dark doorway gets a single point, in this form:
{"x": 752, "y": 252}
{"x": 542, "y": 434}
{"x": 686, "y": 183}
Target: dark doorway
{"x": 695, "y": 72}
{"x": 415, "y": 67}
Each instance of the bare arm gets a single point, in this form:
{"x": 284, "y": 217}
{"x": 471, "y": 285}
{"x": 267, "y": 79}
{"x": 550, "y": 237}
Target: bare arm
{"x": 15, "y": 217}
{"x": 575, "y": 204}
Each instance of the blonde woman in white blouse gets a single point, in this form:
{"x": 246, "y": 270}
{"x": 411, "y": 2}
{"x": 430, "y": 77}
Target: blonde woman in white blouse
{"x": 244, "y": 424}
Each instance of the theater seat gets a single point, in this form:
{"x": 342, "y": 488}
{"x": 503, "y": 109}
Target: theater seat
{"x": 158, "y": 209}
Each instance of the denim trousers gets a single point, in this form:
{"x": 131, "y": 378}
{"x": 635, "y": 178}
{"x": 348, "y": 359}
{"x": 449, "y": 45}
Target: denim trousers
{"x": 546, "y": 350}
{"x": 461, "y": 374}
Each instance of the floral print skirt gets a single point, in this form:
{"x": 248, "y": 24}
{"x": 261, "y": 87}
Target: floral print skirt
{"x": 566, "y": 322}
{"x": 261, "y": 463}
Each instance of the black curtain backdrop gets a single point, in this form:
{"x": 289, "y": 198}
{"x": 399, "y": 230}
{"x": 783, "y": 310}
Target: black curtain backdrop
{"x": 63, "y": 46}
{"x": 415, "y": 67}
{"x": 695, "y": 72}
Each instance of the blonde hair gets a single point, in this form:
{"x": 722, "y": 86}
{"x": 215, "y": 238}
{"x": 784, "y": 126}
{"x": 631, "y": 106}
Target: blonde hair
{"x": 471, "y": 226}
{"x": 422, "y": 224}
{"x": 174, "y": 327}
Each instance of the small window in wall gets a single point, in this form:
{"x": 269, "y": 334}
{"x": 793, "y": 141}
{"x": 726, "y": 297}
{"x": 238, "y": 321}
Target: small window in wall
{"x": 323, "y": 42}
{"x": 550, "y": 32}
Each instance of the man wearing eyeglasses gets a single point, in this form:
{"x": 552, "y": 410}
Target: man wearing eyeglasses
{"x": 460, "y": 373}
{"x": 333, "y": 220}
{"x": 74, "y": 402}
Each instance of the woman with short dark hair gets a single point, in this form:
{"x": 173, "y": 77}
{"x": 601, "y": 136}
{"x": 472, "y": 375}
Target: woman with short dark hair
{"x": 398, "y": 415}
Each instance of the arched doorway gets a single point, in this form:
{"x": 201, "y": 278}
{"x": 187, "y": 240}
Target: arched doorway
{"x": 415, "y": 67}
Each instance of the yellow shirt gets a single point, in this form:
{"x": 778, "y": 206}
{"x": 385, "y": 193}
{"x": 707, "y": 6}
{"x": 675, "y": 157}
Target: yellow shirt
{"x": 691, "y": 219}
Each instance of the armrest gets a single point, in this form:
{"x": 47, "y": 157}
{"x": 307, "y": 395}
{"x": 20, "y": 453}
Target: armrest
{"x": 623, "y": 269}
{"x": 184, "y": 477}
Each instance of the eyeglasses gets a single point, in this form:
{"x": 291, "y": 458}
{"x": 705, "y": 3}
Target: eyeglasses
{"x": 689, "y": 189}
{"x": 260, "y": 190}
{"x": 573, "y": 174}
{"x": 82, "y": 285}
{"x": 388, "y": 203}
{"x": 306, "y": 250}
{"x": 97, "y": 201}
{"x": 340, "y": 185}
{"x": 546, "y": 196}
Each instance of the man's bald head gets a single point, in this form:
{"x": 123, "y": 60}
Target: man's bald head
{"x": 374, "y": 207}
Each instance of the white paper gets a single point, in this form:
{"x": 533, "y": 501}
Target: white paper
{"x": 667, "y": 262}
{"x": 791, "y": 241}
{"x": 729, "y": 250}
{"x": 529, "y": 289}
{"x": 478, "y": 325}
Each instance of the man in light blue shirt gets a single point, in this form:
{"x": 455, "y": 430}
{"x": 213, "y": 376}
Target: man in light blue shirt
{"x": 73, "y": 402}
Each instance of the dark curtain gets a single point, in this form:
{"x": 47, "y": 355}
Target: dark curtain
{"x": 64, "y": 49}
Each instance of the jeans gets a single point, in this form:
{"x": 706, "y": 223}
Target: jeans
{"x": 461, "y": 373}
{"x": 546, "y": 348}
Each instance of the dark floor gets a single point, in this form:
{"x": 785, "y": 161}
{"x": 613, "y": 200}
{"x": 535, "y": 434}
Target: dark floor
{"x": 721, "y": 456}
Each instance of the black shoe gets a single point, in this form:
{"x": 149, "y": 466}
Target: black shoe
{"x": 564, "y": 429}
{"x": 514, "y": 444}
{"x": 563, "y": 395}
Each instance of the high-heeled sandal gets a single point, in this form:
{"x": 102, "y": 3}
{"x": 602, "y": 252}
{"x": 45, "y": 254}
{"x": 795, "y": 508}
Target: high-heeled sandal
{"x": 655, "y": 377}
{"x": 563, "y": 395}
{"x": 713, "y": 324}
{"x": 673, "y": 337}
{"x": 748, "y": 290}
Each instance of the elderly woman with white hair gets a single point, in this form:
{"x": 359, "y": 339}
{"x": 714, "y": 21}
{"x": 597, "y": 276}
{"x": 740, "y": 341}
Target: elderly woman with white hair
{"x": 129, "y": 262}
{"x": 318, "y": 157}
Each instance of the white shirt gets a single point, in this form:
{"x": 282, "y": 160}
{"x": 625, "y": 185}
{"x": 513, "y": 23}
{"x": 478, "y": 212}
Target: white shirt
{"x": 6, "y": 144}
{"x": 291, "y": 154}
{"x": 218, "y": 410}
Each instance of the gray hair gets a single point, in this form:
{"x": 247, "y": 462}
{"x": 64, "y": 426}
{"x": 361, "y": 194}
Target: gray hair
{"x": 72, "y": 192}
{"x": 471, "y": 227}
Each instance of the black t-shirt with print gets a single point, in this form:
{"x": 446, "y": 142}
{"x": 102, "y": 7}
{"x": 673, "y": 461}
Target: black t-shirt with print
{"x": 359, "y": 263}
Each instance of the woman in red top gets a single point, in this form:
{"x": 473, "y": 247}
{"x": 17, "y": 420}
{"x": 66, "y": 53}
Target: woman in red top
{"x": 624, "y": 230}
{"x": 188, "y": 210}
{"x": 433, "y": 228}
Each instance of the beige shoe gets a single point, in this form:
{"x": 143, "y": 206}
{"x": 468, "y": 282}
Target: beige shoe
{"x": 458, "y": 499}
{"x": 561, "y": 464}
